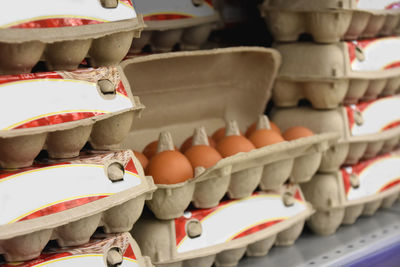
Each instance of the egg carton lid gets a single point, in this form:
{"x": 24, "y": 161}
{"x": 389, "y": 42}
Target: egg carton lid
{"x": 379, "y": 7}
{"x": 343, "y": 60}
{"x": 365, "y": 182}
{"x": 105, "y": 179}
{"x": 102, "y": 93}
{"x": 185, "y": 90}
{"x": 174, "y": 14}
{"x": 54, "y": 21}
{"x": 102, "y": 249}
{"x": 193, "y": 235}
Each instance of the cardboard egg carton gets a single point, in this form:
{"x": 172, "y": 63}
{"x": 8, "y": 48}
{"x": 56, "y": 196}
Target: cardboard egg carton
{"x": 331, "y": 20}
{"x": 367, "y": 129}
{"x": 332, "y": 74}
{"x": 223, "y": 234}
{"x": 185, "y": 22}
{"x": 64, "y": 32}
{"x": 61, "y": 111}
{"x": 102, "y": 250}
{"x": 191, "y": 91}
{"x": 68, "y": 200}
{"x": 341, "y": 197}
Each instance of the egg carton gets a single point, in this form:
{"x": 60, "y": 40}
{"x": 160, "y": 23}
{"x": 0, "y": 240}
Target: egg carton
{"x": 183, "y": 97}
{"x": 44, "y": 203}
{"x": 222, "y": 235}
{"x": 102, "y": 250}
{"x": 64, "y": 32}
{"x": 343, "y": 73}
{"x": 341, "y": 197}
{"x": 367, "y": 129}
{"x": 61, "y": 111}
{"x": 330, "y": 21}
{"x": 185, "y": 22}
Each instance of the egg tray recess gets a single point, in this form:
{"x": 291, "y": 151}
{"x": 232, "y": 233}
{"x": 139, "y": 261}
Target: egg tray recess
{"x": 222, "y": 235}
{"x": 61, "y": 111}
{"x": 185, "y": 22}
{"x": 363, "y": 134}
{"x": 348, "y": 73}
{"x": 102, "y": 250}
{"x": 359, "y": 190}
{"x": 64, "y": 32}
{"x": 330, "y": 21}
{"x": 45, "y": 202}
{"x": 184, "y": 96}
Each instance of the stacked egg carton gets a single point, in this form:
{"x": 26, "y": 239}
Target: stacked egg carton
{"x": 187, "y": 23}
{"x": 240, "y": 204}
{"x": 65, "y": 194}
{"x": 352, "y": 86}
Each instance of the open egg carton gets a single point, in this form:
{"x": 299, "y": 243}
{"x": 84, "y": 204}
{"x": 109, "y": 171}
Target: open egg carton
{"x": 329, "y": 21}
{"x": 64, "y": 32}
{"x": 341, "y": 73}
{"x": 190, "y": 91}
{"x": 67, "y": 200}
{"x": 341, "y": 197}
{"x": 223, "y": 234}
{"x": 61, "y": 111}
{"x": 185, "y": 22}
{"x": 367, "y": 129}
{"x": 102, "y": 250}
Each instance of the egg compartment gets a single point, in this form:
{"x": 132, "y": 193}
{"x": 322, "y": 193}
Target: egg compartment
{"x": 68, "y": 200}
{"x": 364, "y": 135}
{"x": 330, "y": 21}
{"x": 222, "y": 235}
{"x": 108, "y": 250}
{"x": 341, "y": 197}
{"x": 65, "y": 110}
{"x": 350, "y": 72}
{"x": 185, "y": 22}
{"x": 64, "y": 32}
{"x": 191, "y": 91}
{"x": 240, "y": 175}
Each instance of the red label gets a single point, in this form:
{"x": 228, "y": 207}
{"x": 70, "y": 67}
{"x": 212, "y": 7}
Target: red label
{"x": 359, "y": 168}
{"x": 158, "y": 17}
{"x": 201, "y": 214}
{"x": 55, "y": 23}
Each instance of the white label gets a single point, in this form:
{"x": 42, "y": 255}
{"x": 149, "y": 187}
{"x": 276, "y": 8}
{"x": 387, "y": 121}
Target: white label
{"x": 84, "y": 260}
{"x": 378, "y": 54}
{"x": 376, "y": 4}
{"x": 17, "y": 12}
{"x": 247, "y": 213}
{"x": 25, "y": 193}
{"x": 378, "y": 115}
{"x": 178, "y": 7}
{"x": 376, "y": 177}
{"x": 46, "y": 97}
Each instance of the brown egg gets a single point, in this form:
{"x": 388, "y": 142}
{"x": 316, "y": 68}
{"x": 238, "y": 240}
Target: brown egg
{"x": 253, "y": 127}
{"x": 297, "y": 132}
{"x": 264, "y": 137}
{"x": 234, "y": 144}
{"x": 169, "y": 167}
{"x": 189, "y": 142}
{"x": 202, "y": 156}
{"x": 151, "y": 149}
{"x": 219, "y": 134}
{"x": 142, "y": 158}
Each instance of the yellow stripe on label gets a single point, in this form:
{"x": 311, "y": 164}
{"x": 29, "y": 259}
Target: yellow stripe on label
{"x": 57, "y": 202}
{"x": 67, "y": 258}
{"x": 255, "y": 224}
